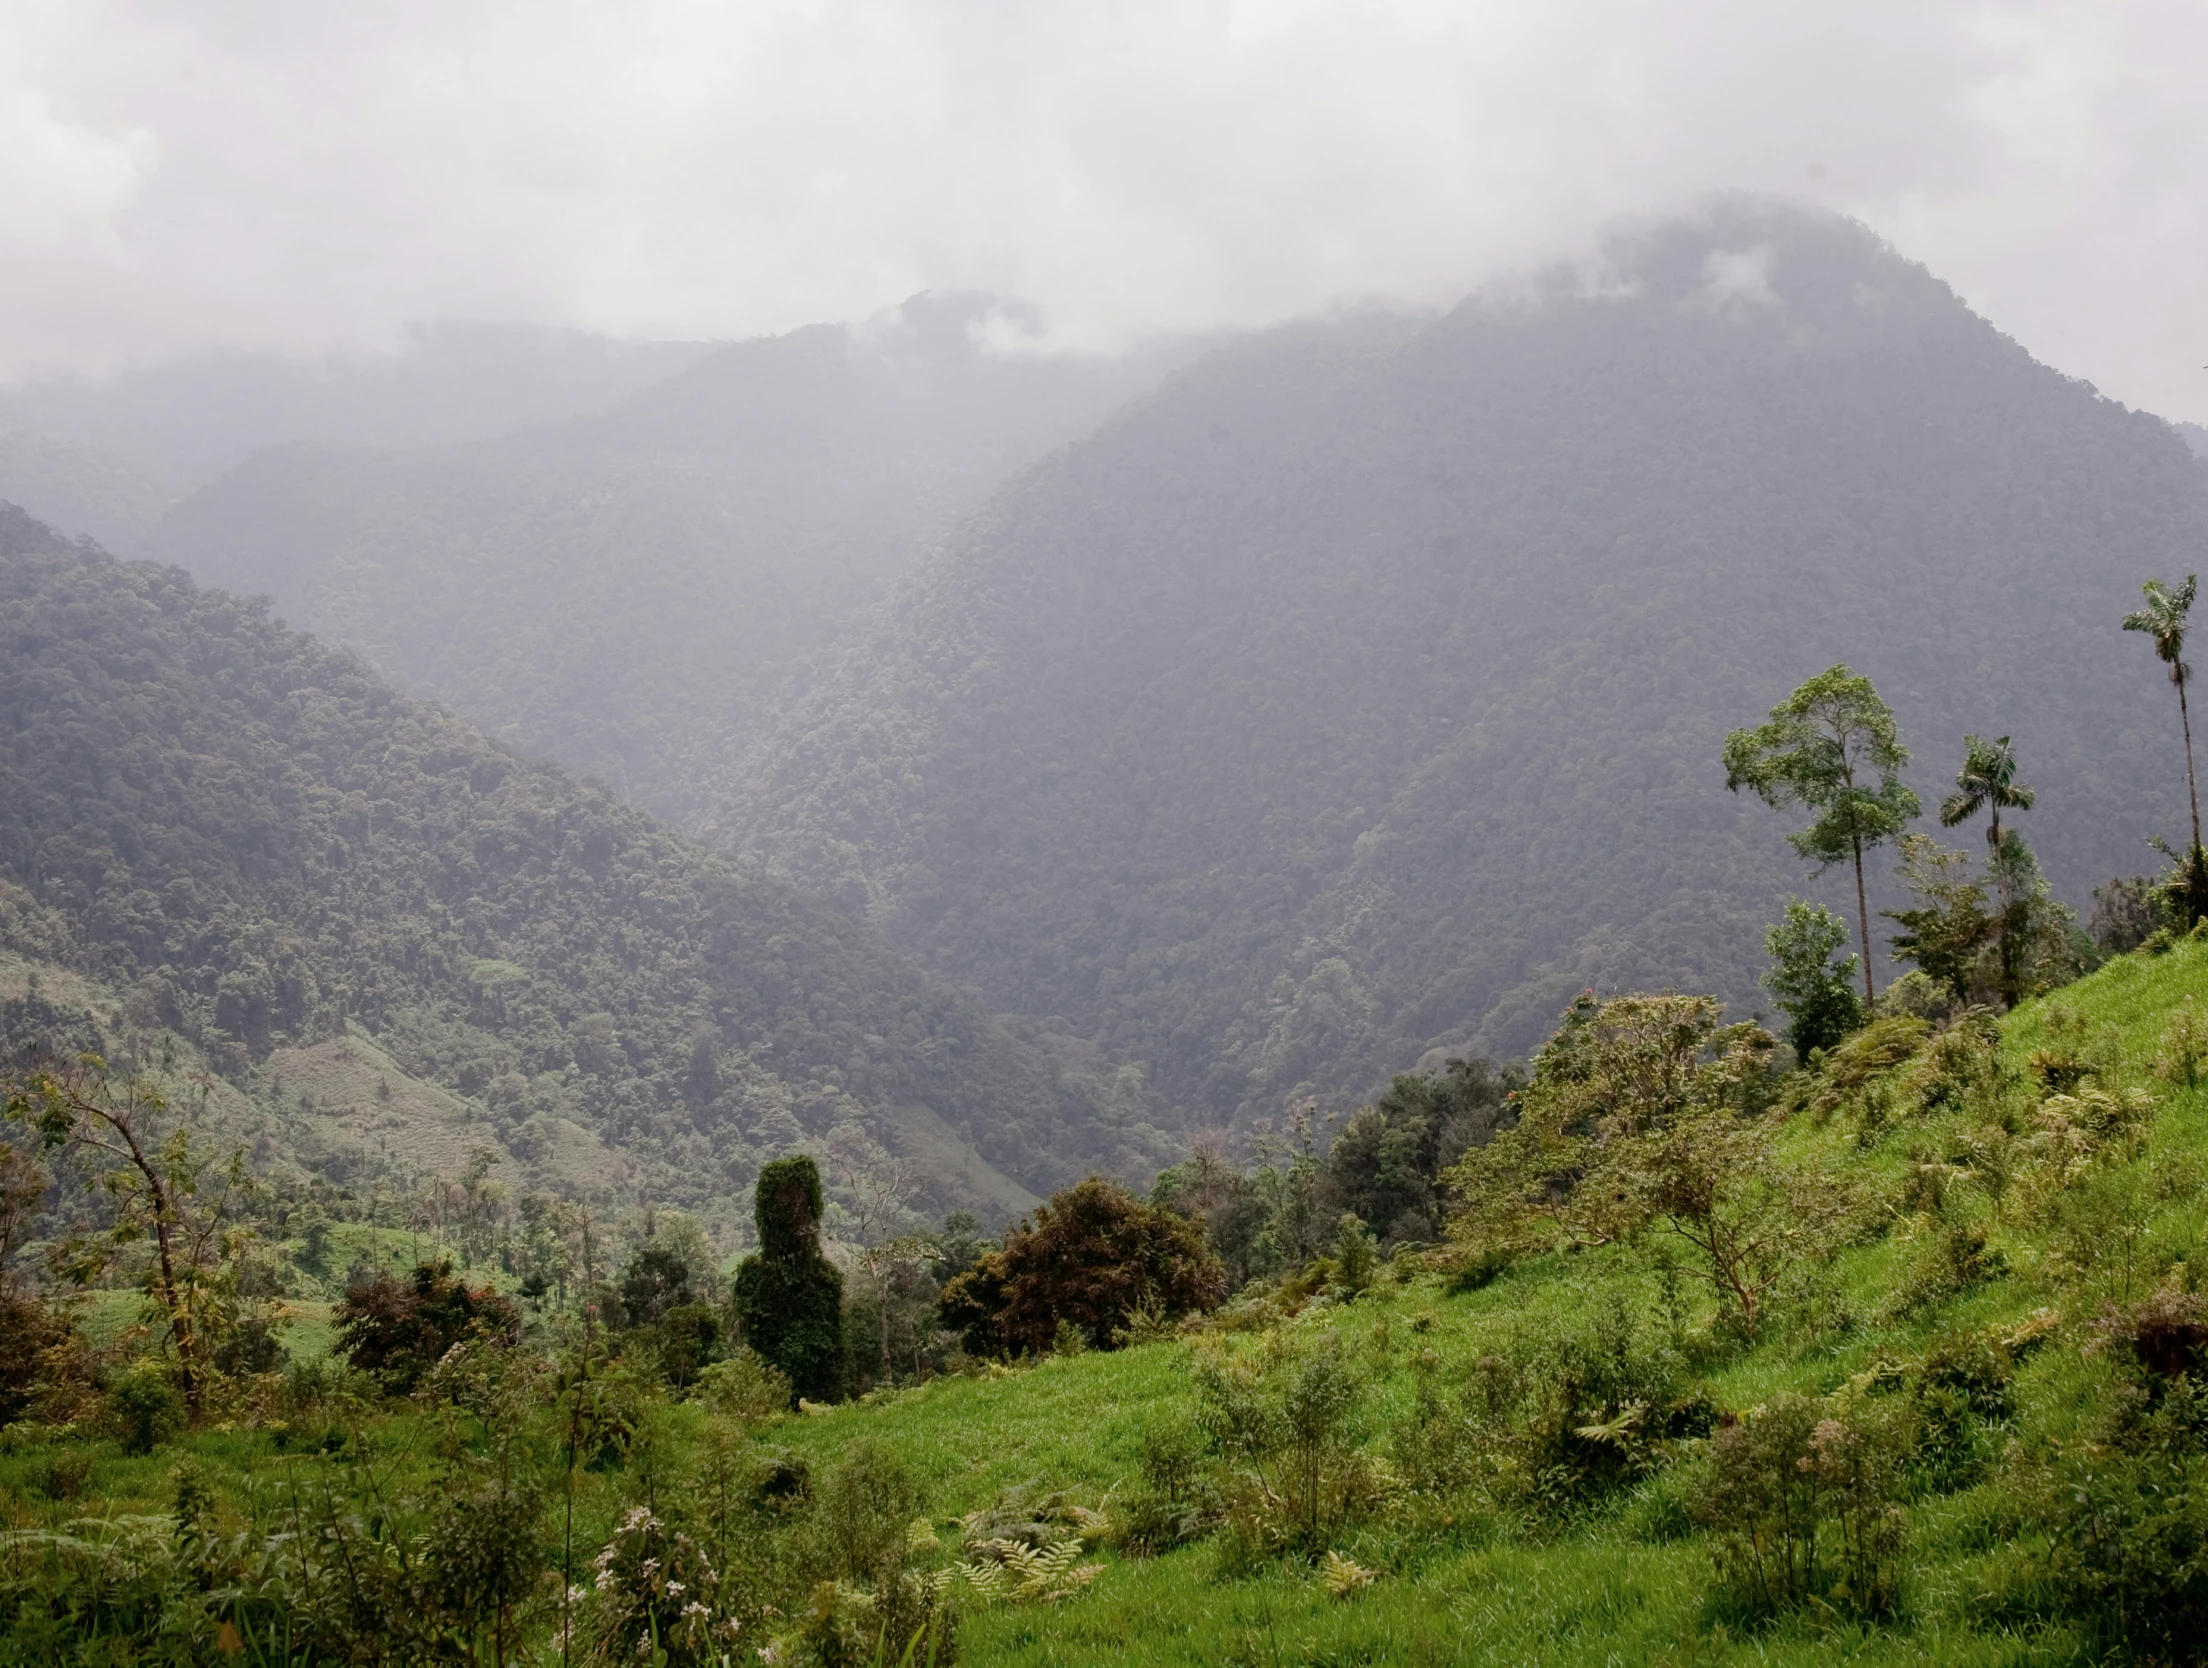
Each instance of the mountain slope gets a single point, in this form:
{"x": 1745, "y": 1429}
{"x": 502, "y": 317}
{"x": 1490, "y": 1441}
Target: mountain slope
{"x": 616, "y": 591}
{"x": 190, "y": 420}
{"x": 1361, "y": 692}
{"x": 261, "y": 847}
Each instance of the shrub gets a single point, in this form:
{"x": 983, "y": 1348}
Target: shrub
{"x": 1287, "y": 1421}
{"x": 1578, "y": 1415}
{"x": 1800, "y": 1495}
{"x": 687, "y": 1340}
{"x": 863, "y": 1511}
{"x": 746, "y": 1388}
{"x": 2184, "y": 1045}
{"x": 400, "y": 1330}
{"x": 143, "y": 1407}
{"x": 789, "y": 1297}
{"x": 2127, "y": 1520}
{"x": 28, "y": 1329}
{"x": 1174, "y": 1500}
{"x": 1816, "y": 993}
{"x": 1091, "y": 1256}
{"x": 656, "y": 1280}
{"x": 657, "y": 1598}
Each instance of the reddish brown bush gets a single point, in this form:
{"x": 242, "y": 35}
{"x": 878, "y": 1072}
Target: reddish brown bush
{"x": 1091, "y": 1256}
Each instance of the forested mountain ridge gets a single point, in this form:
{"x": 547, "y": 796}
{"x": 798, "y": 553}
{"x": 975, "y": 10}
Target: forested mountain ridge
{"x": 260, "y": 846}
{"x": 1360, "y": 693}
{"x": 618, "y": 590}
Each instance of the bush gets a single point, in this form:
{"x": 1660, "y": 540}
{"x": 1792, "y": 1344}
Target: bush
{"x": 1816, "y": 993}
{"x": 1174, "y": 1500}
{"x": 1800, "y": 1495}
{"x": 1287, "y": 1422}
{"x": 28, "y": 1329}
{"x": 2127, "y": 1518}
{"x": 745, "y": 1388}
{"x": 863, "y": 1512}
{"x": 789, "y": 1297}
{"x": 143, "y": 1407}
{"x": 1090, "y": 1257}
{"x": 400, "y": 1330}
{"x": 656, "y": 1598}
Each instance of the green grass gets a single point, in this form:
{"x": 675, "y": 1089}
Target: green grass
{"x": 1605, "y": 1587}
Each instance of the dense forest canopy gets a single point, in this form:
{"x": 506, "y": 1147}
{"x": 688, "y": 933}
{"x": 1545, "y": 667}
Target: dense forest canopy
{"x": 1357, "y": 694}
{"x": 618, "y": 590}
{"x": 257, "y": 845}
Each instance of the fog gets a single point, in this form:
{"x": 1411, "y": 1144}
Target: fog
{"x": 260, "y": 174}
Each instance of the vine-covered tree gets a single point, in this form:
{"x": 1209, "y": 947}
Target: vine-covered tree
{"x": 789, "y": 1297}
{"x": 1832, "y": 746}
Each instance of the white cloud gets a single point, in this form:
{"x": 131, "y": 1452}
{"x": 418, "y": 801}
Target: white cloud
{"x": 263, "y": 172}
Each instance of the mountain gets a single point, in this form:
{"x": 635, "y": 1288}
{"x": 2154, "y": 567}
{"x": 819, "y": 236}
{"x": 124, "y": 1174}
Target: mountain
{"x": 449, "y": 381}
{"x": 1359, "y": 694}
{"x": 340, "y": 897}
{"x": 87, "y": 490}
{"x": 618, "y": 591}
{"x": 2194, "y": 436}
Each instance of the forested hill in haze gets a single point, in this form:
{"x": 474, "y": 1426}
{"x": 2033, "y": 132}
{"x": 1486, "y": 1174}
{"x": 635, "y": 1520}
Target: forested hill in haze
{"x": 1361, "y": 692}
{"x": 618, "y": 590}
{"x": 256, "y": 844}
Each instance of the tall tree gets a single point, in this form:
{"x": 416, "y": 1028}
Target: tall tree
{"x": 1987, "y": 782}
{"x": 2163, "y": 619}
{"x": 1832, "y": 746}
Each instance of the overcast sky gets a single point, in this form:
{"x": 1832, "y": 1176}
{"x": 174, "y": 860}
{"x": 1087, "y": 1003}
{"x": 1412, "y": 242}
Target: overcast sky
{"x": 178, "y": 174}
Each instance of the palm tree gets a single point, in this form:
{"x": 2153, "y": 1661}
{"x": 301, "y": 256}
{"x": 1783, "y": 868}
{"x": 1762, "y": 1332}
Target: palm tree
{"x": 1987, "y": 782}
{"x": 2163, "y": 619}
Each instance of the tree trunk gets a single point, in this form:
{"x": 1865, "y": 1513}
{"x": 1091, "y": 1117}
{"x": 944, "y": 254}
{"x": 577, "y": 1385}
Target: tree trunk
{"x": 180, "y": 1320}
{"x": 2185, "y": 718}
{"x": 1863, "y": 919}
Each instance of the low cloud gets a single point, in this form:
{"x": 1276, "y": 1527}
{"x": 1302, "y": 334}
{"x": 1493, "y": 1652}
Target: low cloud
{"x": 262, "y": 174}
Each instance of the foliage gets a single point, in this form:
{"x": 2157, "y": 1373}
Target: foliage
{"x": 745, "y": 1388}
{"x": 1354, "y": 696}
{"x": 789, "y": 1297}
{"x": 1802, "y": 1497}
{"x": 289, "y": 850}
{"x": 399, "y": 1330}
{"x": 1287, "y": 1421}
{"x": 1833, "y": 748}
{"x": 2164, "y": 619}
{"x": 1644, "y": 1116}
{"x": 1090, "y": 1256}
{"x": 656, "y": 1596}
{"x": 1386, "y": 1165}
{"x": 1815, "y": 993}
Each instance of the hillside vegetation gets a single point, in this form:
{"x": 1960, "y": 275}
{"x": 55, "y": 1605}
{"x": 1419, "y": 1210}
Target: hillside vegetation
{"x": 618, "y": 591}
{"x": 1357, "y": 695}
{"x": 1966, "y": 1428}
{"x": 244, "y": 838}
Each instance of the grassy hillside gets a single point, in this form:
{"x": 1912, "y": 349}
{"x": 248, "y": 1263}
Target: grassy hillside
{"x": 618, "y": 591}
{"x": 244, "y": 838}
{"x": 2013, "y": 1386}
{"x": 1361, "y": 692}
